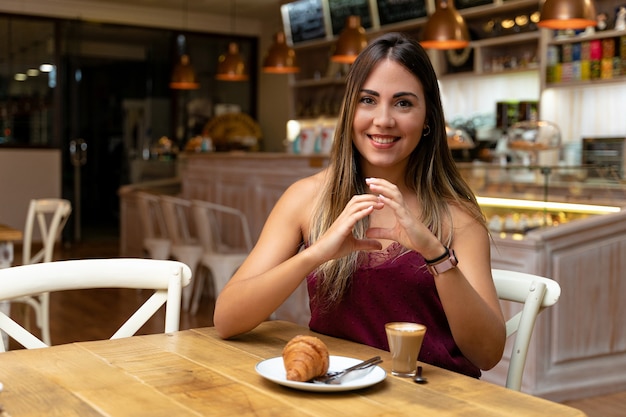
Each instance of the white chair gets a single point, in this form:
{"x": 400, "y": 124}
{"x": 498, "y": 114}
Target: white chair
{"x": 48, "y": 216}
{"x": 166, "y": 278}
{"x": 155, "y": 240}
{"x": 185, "y": 246}
{"x": 535, "y": 293}
{"x": 214, "y": 222}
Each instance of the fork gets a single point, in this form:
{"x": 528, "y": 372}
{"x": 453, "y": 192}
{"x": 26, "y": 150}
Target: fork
{"x": 335, "y": 376}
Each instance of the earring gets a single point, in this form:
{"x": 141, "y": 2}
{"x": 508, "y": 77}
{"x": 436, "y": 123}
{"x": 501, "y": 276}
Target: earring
{"x": 426, "y": 130}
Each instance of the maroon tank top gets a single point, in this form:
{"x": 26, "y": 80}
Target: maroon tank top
{"x": 391, "y": 286}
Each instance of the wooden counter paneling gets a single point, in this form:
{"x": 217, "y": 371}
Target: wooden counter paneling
{"x": 578, "y": 347}
{"x": 251, "y": 182}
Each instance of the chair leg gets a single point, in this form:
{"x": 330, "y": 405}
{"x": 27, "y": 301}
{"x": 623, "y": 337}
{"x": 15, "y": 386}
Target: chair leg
{"x": 198, "y": 288}
{"x": 45, "y": 318}
{"x": 192, "y": 260}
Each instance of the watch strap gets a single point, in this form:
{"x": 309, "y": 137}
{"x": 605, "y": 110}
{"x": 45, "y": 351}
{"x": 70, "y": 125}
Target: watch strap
{"x": 443, "y": 265}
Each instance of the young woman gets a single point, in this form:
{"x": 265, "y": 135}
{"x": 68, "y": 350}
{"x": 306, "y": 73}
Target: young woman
{"x": 388, "y": 232}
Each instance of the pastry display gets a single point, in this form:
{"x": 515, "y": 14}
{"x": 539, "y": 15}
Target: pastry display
{"x": 522, "y": 222}
{"x": 305, "y": 357}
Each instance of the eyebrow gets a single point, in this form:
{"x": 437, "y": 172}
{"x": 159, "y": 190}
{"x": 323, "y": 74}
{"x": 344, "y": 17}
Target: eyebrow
{"x": 396, "y": 95}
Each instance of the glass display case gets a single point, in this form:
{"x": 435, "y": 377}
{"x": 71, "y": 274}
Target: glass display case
{"x": 518, "y": 199}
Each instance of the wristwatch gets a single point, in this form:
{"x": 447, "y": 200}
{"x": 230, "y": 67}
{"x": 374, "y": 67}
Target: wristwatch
{"x": 447, "y": 262}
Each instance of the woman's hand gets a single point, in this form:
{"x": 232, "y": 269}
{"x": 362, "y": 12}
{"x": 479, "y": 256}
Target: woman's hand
{"x": 338, "y": 240}
{"x": 407, "y": 230}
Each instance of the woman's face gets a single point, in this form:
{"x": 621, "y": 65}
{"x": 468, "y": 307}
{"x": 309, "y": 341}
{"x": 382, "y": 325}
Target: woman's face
{"x": 389, "y": 116}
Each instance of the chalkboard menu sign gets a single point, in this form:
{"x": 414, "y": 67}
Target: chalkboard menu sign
{"x": 393, "y": 11}
{"x": 341, "y": 9}
{"x": 304, "y": 20}
{"x": 464, "y": 4}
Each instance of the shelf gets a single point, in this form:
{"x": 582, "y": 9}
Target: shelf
{"x": 506, "y": 40}
{"x": 463, "y": 75}
{"x": 598, "y": 35}
{"x": 587, "y": 83}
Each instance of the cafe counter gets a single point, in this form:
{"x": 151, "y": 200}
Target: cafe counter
{"x": 578, "y": 348}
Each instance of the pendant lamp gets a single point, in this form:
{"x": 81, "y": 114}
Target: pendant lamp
{"x": 231, "y": 66}
{"x": 351, "y": 42}
{"x": 184, "y": 76}
{"x": 567, "y": 14}
{"x": 445, "y": 29}
{"x": 280, "y": 59}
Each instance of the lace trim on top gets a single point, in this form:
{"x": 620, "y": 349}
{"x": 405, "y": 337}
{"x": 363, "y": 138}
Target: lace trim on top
{"x": 377, "y": 258}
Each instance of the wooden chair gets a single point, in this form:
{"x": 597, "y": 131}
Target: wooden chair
{"x": 155, "y": 240}
{"x": 48, "y": 216}
{"x": 185, "y": 246}
{"x": 166, "y": 278}
{"x": 535, "y": 293}
{"x": 213, "y": 222}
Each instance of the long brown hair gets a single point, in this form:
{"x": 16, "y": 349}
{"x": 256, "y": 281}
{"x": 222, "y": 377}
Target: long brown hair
{"x": 431, "y": 170}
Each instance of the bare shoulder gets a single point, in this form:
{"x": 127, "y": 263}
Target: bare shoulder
{"x": 462, "y": 217}
{"x": 467, "y": 226}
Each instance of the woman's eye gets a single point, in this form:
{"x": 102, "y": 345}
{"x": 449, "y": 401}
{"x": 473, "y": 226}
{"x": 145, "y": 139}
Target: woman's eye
{"x": 404, "y": 103}
{"x": 366, "y": 100}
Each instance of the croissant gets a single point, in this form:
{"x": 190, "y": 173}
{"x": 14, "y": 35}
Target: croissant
{"x": 305, "y": 357}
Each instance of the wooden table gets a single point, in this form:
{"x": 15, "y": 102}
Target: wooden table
{"x": 195, "y": 373}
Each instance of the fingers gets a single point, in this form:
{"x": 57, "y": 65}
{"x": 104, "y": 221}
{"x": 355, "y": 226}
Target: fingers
{"x": 387, "y": 192}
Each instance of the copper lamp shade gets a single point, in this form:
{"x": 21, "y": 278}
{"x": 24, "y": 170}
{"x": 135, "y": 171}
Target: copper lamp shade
{"x": 184, "y": 76}
{"x": 567, "y": 14}
{"x": 230, "y": 66}
{"x": 445, "y": 29}
{"x": 351, "y": 42}
{"x": 280, "y": 59}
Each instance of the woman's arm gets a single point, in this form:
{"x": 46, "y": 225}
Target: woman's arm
{"x": 276, "y": 266}
{"x": 467, "y": 292}
{"x": 469, "y": 296}
{"x": 273, "y": 269}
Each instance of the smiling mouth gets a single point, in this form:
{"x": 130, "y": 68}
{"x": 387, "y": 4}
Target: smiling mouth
{"x": 383, "y": 140}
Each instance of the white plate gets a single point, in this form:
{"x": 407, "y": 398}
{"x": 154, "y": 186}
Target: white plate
{"x": 274, "y": 370}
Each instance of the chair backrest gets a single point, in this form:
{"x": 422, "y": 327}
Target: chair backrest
{"x": 151, "y": 215}
{"x": 50, "y": 215}
{"x": 535, "y": 293}
{"x": 166, "y": 278}
{"x": 214, "y": 221}
{"x": 177, "y": 215}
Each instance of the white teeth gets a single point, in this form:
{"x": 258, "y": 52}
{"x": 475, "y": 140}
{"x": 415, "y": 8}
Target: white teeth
{"x": 382, "y": 140}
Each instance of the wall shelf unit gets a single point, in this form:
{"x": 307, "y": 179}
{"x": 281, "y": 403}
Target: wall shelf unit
{"x": 318, "y": 88}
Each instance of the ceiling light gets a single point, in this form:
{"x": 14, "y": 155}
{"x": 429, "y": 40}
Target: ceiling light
{"x": 280, "y": 59}
{"x": 46, "y": 67}
{"x": 184, "y": 76}
{"x": 445, "y": 29}
{"x": 351, "y": 42}
{"x": 567, "y": 14}
{"x": 230, "y": 66}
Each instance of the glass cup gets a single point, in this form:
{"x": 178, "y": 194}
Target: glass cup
{"x": 405, "y": 341}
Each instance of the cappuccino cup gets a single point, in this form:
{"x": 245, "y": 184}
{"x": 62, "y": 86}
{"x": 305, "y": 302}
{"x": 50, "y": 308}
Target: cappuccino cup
{"x": 405, "y": 341}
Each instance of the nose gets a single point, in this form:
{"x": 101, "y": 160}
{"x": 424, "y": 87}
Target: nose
{"x": 384, "y": 117}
